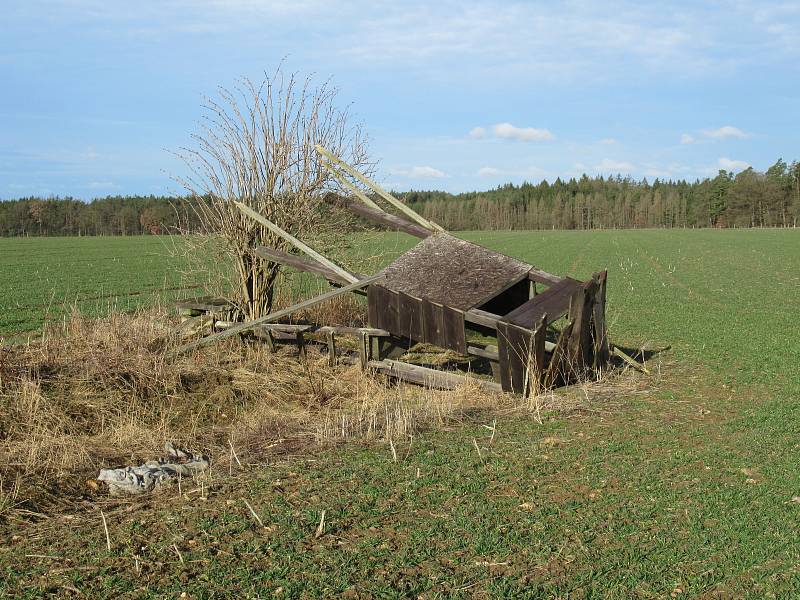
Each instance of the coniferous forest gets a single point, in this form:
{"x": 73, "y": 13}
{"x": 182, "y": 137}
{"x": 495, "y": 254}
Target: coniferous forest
{"x": 747, "y": 199}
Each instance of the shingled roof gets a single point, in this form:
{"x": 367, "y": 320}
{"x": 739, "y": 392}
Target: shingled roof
{"x": 453, "y": 272}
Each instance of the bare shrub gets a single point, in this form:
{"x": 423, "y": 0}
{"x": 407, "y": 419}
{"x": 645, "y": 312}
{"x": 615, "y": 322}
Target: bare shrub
{"x": 256, "y": 146}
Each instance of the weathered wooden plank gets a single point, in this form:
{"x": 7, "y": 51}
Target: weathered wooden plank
{"x": 636, "y": 365}
{"x": 433, "y": 378}
{"x": 343, "y": 180}
{"x": 295, "y": 242}
{"x": 481, "y": 317}
{"x": 378, "y": 190}
{"x": 536, "y": 274}
{"x": 285, "y": 327}
{"x": 243, "y": 327}
{"x": 553, "y": 302}
{"x": 579, "y": 348}
{"x": 433, "y": 318}
{"x": 557, "y": 367}
{"x": 411, "y": 319}
{"x": 601, "y": 349}
{"x": 299, "y": 263}
{"x": 380, "y": 217}
{"x": 336, "y": 329}
{"x": 489, "y": 352}
{"x": 454, "y": 335}
{"x": 382, "y": 305}
{"x": 535, "y": 366}
{"x": 207, "y": 304}
{"x": 514, "y": 346}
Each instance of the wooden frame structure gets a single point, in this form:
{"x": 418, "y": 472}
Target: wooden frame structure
{"x": 536, "y": 329}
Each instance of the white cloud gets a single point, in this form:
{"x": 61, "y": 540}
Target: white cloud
{"x": 477, "y": 133}
{"x": 419, "y": 172}
{"x": 687, "y": 139}
{"x": 508, "y": 131}
{"x": 728, "y": 131}
{"x": 488, "y": 172}
{"x": 608, "y": 165}
{"x": 608, "y": 141}
{"x": 426, "y": 171}
{"x": 732, "y": 165}
{"x": 98, "y": 185}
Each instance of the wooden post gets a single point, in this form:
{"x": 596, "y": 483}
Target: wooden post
{"x": 601, "y": 349}
{"x": 331, "y": 338}
{"x": 363, "y": 351}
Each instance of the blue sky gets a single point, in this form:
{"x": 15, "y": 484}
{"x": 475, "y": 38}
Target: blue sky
{"x": 454, "y": 95}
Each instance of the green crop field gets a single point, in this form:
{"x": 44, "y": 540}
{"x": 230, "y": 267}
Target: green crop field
{"x": 42, "y": 278}
{"x": 689, "y": 490}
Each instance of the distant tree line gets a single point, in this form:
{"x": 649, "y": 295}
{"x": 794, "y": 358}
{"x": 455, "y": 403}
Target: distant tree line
{"x": 747, "y": 199}
{"x": 113, "y": 215}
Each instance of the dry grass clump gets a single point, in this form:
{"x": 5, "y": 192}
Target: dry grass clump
{"x": 94, "y": 393}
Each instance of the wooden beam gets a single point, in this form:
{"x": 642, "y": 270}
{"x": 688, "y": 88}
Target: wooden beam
{"x": 378, "y": 190}
{"x": 601, "y": 350}
{"x": 536, "y": 274}
{"x": 433, "y": 378}
{"x": 243, "y": 327}
{"x": 295, "y": 242}
{"x": 300, "y": 263}
{"x": 378, "y": 216}
{"x": 482, "y": 317}
{"x": 358, "y": 193}
{"x": 636, "y": 365}
{"x": 486, "y": 352}
{"x": 341, "y": 330}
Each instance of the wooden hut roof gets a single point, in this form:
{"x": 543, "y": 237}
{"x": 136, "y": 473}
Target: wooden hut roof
{"x": 453, "y": 272}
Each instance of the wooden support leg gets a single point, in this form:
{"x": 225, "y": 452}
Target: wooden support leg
{"x": 363, "y": 350}
{"x": 374, "y": 347}
{"x": 602, "y": 353}
{"x": 331, "y": 337}
{"x": 301, "y": 345}
{"x": 270, "y": 341}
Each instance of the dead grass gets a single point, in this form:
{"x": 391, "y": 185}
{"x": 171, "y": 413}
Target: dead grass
{"x": 94, "y": 393}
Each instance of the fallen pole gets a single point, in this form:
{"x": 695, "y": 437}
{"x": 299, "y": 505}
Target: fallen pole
{"x": 379, "y": 190}
{"x": 295, "y": 242}
{"x": 633, "y": 363}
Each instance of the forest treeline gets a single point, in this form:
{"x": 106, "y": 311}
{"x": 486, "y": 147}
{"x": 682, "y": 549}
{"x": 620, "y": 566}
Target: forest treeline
{"x": 747, "y": 199}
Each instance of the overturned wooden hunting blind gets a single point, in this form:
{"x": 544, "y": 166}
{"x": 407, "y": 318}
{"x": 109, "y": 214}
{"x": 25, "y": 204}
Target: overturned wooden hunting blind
{"x": 535, "y": 329}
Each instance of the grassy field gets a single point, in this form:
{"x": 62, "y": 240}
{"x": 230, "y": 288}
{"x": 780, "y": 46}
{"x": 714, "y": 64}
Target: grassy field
{"x": 45, "y": 277}
{"x": 690, "y": 490}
